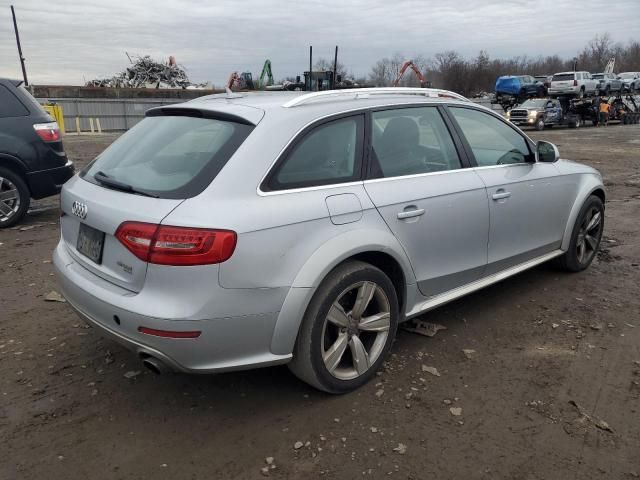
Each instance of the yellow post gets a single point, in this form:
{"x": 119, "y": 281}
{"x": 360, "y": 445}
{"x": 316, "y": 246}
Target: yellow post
{"x": 57, "y": 113}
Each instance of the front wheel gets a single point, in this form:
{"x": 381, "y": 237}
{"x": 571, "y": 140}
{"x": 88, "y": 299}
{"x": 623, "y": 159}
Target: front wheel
{"x": 539, "y": 125}
{"x": 585, "y": 237}
{"x": 347, "y": 329}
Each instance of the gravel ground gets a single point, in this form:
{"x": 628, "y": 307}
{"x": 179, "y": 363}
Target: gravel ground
{"x": 551, "y": 391}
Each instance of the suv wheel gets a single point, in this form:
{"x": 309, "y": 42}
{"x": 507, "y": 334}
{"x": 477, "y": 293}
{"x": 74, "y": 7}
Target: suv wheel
{"x": 539, "y": 125}
{"x": 14, "y": 198}
{"x": 347, "y": 330}
{"x": 581, "y": 93}
{"x": 586, "y": 236}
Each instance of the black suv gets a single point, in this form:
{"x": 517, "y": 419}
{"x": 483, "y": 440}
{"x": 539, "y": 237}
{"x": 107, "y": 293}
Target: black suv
{"x": 32, "y": 160}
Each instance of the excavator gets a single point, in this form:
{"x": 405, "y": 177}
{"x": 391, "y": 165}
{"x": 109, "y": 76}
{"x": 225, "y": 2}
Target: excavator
{"x": 244, "y": 80}
{"x": 409, "y": 64}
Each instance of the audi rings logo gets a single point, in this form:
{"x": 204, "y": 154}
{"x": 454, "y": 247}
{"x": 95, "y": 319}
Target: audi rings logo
{"x": 79, "y": 210}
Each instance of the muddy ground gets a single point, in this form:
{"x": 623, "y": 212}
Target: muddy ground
{"x": 542, "y": 340}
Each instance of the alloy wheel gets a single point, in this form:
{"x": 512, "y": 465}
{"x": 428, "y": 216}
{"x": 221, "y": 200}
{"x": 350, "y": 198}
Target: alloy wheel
{"x": 9, "y": 200}
{"x": 589, "y": 235}
{"x": 355, "y": 330}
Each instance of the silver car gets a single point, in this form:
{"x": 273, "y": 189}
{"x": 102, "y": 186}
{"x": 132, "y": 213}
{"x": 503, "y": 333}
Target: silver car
{"x": 247, "y": 230}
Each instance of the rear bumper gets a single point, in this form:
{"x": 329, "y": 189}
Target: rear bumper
{"x": 226, "y": 343}
{"x": 45, "y": 183}
{"x": 564, "y": 90}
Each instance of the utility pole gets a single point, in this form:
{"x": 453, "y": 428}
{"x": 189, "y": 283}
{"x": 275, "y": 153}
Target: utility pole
{"x": 15, "y": 27}
{"x": 335, "y": 68}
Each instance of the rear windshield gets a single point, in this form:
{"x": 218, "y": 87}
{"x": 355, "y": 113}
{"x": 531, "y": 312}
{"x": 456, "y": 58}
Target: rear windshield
{"x": 562, "y": 76}
{"x": 537, "y": 103}
{"x": 169, "y": 156}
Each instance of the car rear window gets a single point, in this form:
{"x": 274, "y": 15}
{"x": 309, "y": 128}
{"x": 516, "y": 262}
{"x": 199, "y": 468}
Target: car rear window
{"x": 562, "y": 76}
{"x": 10, "y": 106}
{"x": 170, "y": 156}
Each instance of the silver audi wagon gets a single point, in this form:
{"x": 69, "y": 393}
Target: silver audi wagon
{"x": 246, "y": 230}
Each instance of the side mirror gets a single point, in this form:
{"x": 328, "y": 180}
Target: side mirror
{"x": 547, "y": 152}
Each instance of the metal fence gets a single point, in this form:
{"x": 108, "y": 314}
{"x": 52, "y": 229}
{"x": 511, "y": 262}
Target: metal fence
{"x": 113, "y": 114}
{"x": 122, "y": 114}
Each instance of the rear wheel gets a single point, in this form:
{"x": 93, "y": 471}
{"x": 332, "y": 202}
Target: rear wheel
{"x": 347, "y": 330}
{"x": 14, "y": 198}
{"x": 586, "y": 236}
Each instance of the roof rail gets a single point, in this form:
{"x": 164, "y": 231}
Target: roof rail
{"x": 356, "y": 93}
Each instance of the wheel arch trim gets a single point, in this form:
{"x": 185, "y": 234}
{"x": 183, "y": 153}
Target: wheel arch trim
{"x": 587, "y": 189}
{"x": 331, "y": 254}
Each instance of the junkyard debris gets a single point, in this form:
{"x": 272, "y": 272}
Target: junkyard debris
{"x": 147, "y": 73}
{"x": 421, "y": 327}
{"x": 54, "y": 296}
{"x": 432, "y": 370}
{"x": 401, "y": 449}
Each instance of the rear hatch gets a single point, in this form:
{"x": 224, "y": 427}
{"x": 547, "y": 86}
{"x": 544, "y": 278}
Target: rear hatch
{"x": 170, "y": 156}
{"x": 563, "y": 80}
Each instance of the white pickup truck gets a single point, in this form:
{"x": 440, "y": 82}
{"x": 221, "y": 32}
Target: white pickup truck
{"x": 580, "y": 84}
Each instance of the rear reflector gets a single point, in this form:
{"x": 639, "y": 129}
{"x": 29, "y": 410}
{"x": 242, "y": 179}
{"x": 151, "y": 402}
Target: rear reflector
{"x": 49, "y": 132}
{"x": 169, "y": 245}
{"x": 168, "y": 333}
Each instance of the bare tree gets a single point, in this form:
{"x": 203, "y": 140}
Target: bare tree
{"x": 469, "y": 76}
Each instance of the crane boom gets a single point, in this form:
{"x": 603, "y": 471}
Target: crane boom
{"x": 266, "y": 71}
{"x": 416, "y": 70}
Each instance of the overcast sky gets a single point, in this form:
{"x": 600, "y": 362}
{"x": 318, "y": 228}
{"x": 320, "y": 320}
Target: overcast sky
{"x": 67, "y": 42}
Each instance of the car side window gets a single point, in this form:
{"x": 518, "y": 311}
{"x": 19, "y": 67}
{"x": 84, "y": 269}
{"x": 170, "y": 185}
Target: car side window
{"x": 330, "y": 153}
{"x": 410, "y": 141}
{"x": 10, "y": 106}
{"x": 492, "y": 141}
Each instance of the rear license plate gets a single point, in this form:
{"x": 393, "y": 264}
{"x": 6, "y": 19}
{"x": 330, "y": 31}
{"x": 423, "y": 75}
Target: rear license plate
{"x": 90, "y": 243}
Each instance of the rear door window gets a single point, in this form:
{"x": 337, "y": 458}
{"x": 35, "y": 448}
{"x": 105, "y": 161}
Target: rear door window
{"x": 492, "y": 141}
{"x": 328, "y": 154}
{"x": 411, "y": 141}
{"x": 10, "y": 106}
{"x": 562, "y": 77}
{"x": 170, "y": 156}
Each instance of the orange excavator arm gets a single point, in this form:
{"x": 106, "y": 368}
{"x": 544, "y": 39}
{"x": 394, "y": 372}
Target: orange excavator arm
{"x": 416, "y": 70}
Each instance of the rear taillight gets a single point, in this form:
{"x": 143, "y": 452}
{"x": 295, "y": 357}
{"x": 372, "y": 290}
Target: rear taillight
{"x": 49, "y": 132}
{"x": 575, "y": 83}
{"x": 169, "y": 245}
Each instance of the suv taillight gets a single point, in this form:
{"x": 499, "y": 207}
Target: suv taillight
{"x": 575, "y": 83}
{"x": 49, "y": 132}
{"x": 169, "y": 245}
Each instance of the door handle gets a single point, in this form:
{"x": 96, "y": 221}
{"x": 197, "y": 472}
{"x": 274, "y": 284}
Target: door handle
{"x": 500, "y": 194}
{"x": 416, "y": 212}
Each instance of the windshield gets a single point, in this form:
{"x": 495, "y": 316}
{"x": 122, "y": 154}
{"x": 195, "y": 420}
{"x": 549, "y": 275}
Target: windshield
{"x": 627, "y": 75}
{"x": 597, "y": 76}
{"x": 562, "y": 76}
{"x": 538, "y": 103}
{"x": 168, "y": 156}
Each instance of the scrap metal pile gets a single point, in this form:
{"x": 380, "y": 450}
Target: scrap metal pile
{"x": 147, "y": 73}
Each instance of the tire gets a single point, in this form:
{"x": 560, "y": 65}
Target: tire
{"x": 14, "y": 198}
{"x": 312, "y": 362}
{"x": 539, "y": 125}
{"x": 582, "y": 250}
{"x": 581, "y": 93}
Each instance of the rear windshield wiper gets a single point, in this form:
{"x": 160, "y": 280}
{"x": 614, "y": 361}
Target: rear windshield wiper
{"x": 107, "y": 181}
